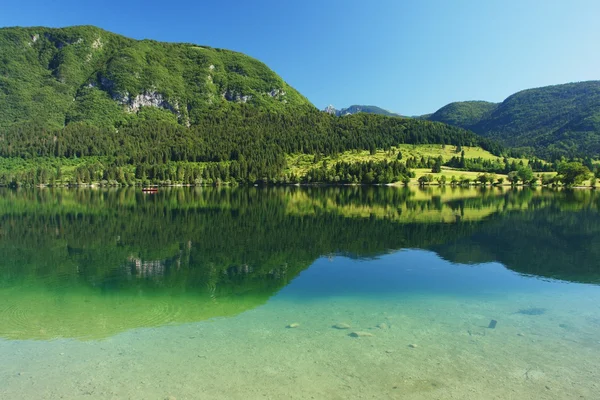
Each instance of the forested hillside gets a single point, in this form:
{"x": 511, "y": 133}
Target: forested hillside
{"x": 249, "y": 145}
{"x": 551, "y": 121}
{"x": 82, "y": 93}
{"x": 465, "y": 114}
{"x": 55, "y": 77}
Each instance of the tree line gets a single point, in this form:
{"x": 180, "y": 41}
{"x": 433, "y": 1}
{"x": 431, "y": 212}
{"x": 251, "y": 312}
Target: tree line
{"x": 252, "y": 142}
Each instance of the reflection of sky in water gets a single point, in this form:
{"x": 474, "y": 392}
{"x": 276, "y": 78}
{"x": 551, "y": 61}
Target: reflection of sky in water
{"x": 417, "y": 272}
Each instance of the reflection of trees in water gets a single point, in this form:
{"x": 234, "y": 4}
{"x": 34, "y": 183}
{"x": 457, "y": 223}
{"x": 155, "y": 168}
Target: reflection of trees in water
{"x": 237, "y": 240}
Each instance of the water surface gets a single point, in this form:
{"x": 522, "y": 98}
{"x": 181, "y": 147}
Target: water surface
{"x": 188, "y": 293}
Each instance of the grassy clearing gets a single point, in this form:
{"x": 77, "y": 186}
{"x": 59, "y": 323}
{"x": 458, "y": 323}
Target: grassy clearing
{"x": 447, "y": 152}
{"x": 299, "y": 164}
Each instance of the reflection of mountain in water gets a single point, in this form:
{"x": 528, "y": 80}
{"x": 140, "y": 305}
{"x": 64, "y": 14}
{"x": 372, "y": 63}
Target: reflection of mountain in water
{"x": 108, "y": 261}
{"x": 547, "y": 243}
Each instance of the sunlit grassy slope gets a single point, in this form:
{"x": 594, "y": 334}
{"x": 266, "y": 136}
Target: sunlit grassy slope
{"x": 299, "y": 164}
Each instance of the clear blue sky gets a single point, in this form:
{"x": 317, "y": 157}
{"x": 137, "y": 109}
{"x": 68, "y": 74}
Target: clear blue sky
{"x": 409, "y": 57}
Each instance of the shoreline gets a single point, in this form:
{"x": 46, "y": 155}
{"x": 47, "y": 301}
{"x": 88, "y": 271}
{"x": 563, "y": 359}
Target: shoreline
{"x": 316, "y": 184}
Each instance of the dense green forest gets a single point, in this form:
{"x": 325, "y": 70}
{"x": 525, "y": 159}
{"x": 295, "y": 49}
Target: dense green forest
{"x": 551, "y": 121}
{"x": 247, "y": 146}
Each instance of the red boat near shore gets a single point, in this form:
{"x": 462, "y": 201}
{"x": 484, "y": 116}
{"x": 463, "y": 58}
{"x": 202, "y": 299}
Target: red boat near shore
{"x": 149, "y": 190}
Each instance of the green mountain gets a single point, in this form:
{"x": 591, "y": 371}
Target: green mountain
{"x": 549, "y": 121}
{"x": 124, "y": 110}
{"x": 354, "y": 109}
{"x": 83, "y": 73}
{"x": 465, "y": 114}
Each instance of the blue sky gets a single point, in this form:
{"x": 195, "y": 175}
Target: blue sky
{"x": 408, "y": 57}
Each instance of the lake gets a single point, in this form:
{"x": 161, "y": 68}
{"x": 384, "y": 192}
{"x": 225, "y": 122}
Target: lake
{"x": 299, "y": 293}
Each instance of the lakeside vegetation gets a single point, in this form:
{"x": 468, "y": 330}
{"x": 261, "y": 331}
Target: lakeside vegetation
{"x": 402, "y": 165}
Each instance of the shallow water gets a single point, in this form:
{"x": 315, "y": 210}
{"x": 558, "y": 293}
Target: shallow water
{"x": 188, "y": 294}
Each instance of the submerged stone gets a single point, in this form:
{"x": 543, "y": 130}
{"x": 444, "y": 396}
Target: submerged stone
{"x": 293, "y": 325}
{"x": 383, "y": 325}
{"x": 532, "y": 311}
{"x": 361, "y": 334}
{"x": 341, "y": 325}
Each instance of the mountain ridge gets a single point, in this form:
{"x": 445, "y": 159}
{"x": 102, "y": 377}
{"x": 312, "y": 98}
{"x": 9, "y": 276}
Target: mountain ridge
{"x": 465, "y": 113}
{"x": 550, "y": 121}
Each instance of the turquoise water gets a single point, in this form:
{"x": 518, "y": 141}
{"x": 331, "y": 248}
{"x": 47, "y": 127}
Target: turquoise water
{"x": 190, "y": 294}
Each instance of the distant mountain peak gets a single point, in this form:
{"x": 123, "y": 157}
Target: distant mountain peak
{"x": 355, "y": 109}
{"x": 330, "y": 109}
